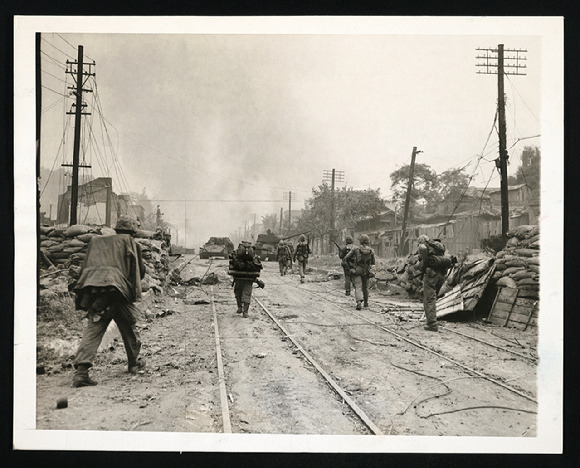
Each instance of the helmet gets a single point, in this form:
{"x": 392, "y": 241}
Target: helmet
{"x": 126, "y": 223}
{"x": 281, "y": 243}
{"x": 364, "y": 239}
{"x": 422, "y": 239}
{"x": 348, "y": 239}
{"x": 302, "y": 238}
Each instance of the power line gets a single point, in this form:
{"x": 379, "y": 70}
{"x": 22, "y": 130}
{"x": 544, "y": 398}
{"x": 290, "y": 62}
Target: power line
{"x": 55, "y": 47}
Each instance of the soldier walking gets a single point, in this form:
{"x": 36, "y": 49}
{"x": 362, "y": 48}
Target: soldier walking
{"x": 284, "y": 257}
{"x": 244, "y": 267}
{"x": 301, "y": 256}
{"x": 108, "y": 285}
{"x": 346, "y": 267}
{"x": 363, "y": 258}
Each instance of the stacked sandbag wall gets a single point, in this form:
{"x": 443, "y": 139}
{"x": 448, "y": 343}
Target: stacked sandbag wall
{"x": 65, "y": 248}
{"x": 518, "y": 264}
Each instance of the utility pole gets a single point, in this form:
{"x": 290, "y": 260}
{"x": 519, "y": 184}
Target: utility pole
{"x": 289, "y": 196}
{"x": 402, "y": 248}
{"x": 332, "y": 175}
{"x": 79, "y": 106}
{"x": 281, "y": 213}
{"x": 495, "y": 64}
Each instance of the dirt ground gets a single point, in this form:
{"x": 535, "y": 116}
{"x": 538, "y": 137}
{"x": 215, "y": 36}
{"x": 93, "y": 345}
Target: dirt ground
{"x": 470, "y": 379}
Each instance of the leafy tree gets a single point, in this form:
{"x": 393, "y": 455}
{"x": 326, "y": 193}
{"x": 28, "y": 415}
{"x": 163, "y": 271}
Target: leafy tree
{"x": 528, "y": 171}
{"x": 452, "y": 178}
{"x": 424, "y": 195}
{"x": 270, "y": 221}
{"x": 350, "y": 206}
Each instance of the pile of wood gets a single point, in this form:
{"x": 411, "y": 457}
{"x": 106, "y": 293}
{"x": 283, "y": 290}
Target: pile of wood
{"x": 65, "y": 249}
{"x": 517, "y": 266}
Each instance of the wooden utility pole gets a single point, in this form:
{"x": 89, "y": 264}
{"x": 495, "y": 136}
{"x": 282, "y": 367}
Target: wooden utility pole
{"x": 495, "y": 64}
{"x": 503, "y": 156}
{"x": 79, "y": 106}
{"x": 290, "y": 196}
{"x": 281, "y": 213}
{"x": 402, "y": 248}
{"x": 332, "y": 176}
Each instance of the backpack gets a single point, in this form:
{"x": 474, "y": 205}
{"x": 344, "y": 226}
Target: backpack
{"x": 245, "y": 259}
{"x": 302, "y": 251}
{"x": 437, "y": 258}
{"x": 364, "y": 257}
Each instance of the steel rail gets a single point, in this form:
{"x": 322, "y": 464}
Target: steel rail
{"x": 425, "y": 348}
{"x": 221, "y": 376}
{"x": 329, "y": 291}
{"x": 357, "y": 410}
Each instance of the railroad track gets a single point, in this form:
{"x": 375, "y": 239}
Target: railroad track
{"x": 426, "y": 348}
{"x": 328, "y": 372}
{"x": 416, "y": 308}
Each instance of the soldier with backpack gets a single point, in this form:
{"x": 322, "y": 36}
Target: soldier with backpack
{"x": 346, "y": 266}
{"x": 434, "y": 265}
{"x": 362, "y": 259}
{"x": 284, "y": 256}
{"x": 244, "y": 267}
{"x": 301, "y": 256}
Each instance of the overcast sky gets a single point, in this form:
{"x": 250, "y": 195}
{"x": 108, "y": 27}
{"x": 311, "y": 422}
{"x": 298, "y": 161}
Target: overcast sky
{"x": 221, "y": 117}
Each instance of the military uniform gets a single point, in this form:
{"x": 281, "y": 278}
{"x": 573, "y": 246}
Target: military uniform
{"x": 433, "y": 279}
{"x": 363, "y": 258}
{"x": 244, "y": 267}
{"x": 346, "y": 267}
{"x": 301, "y": 256}
{"x": 284, "y": 256}
{"x": 109, "y": 283}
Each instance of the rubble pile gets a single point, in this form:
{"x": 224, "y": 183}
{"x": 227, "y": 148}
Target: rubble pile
{"x": 63, "y": 250}
{"x": 518, "y": 264}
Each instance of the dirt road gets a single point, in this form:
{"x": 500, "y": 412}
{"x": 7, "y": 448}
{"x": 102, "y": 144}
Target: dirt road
{"x": 384, "y": 373}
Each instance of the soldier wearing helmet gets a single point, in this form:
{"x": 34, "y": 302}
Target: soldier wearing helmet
{"x": 284, "y": 256}
{"x": 301, "y": 256}
{"x": 362, "y": 258}
{"x": 109, "y": 283}
{"x": 346, "y": 267}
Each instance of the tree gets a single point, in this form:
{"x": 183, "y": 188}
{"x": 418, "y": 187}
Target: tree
{"x": 270, "y": 221}
{"x": 528, "y": 171}
{"x": 350, "y": 206}
{"x": 424, "y": 195}
{"x": 450, "y": 179}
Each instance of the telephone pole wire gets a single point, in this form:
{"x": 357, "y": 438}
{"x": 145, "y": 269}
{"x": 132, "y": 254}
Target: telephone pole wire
{"x": 495, "y": 63}
{"x": 79, "y": 106}
{"x": 403, "y": 247}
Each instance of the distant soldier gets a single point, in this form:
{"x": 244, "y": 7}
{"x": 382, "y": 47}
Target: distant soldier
{"x": 301, "y": 256}
{"x": 363, "y": 258}
{"x": 346, "y": 267}
{"x": 284, "y": 257}
{"x": 108, "y": 285}
{"x": 434, "y": 265}
{"x": 244, "y": 267}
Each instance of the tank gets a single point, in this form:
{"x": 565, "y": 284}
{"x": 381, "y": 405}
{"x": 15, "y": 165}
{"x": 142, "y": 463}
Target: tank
{"x": 216, "y": 247}
{"x": 267, "y": 246}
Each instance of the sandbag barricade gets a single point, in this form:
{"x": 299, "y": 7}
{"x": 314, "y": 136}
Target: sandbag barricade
{"x": 65, "y": 249}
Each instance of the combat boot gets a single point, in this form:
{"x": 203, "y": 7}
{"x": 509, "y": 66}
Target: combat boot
{"x": 366, "y": 304}
{"x": 358, "y": 305}
{"x": 239, "y": 311}
{"x": 81, "y": 377}
{"x": 139, "y": 366}
{"x": 347, "y": 292}
{"x": 246, "y": 307}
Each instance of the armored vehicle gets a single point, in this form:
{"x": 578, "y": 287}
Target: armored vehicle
{"x": 216, "y": 247}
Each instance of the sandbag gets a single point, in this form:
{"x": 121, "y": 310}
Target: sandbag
{"x": 513, "y": 242}
{"x": 512, "y": 270}
{"x": 86, "y": 237}
{"x": 531, "y": 240}
{"x": 500, "y": 267}
{"x": 516, "y": 262}
{"x": 533, "y": 260}
{"x": 528, "y": 281}
{"x": 48, "y": 243}
{"x": 72, "y": 250}
{"x": 75, "y": 243}
{"x": 58, "y": 247}
{"x": 525, "y": 252}
{"x": 521, "y": 231}
{"x": 520, "y": 275}
{"x": 56, "y": 233}
{"x": 535, "y": 231}
{"x": 534, "y": 268}
{"x": 476, "y": 270}
{"x": 76, "y": 230}
{"x": 46, "y": 230}
{"x": 506, "y": 282}
{"x": 496, "y": 275}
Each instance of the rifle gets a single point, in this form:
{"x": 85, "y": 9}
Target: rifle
{"x": 337, "y": 246}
